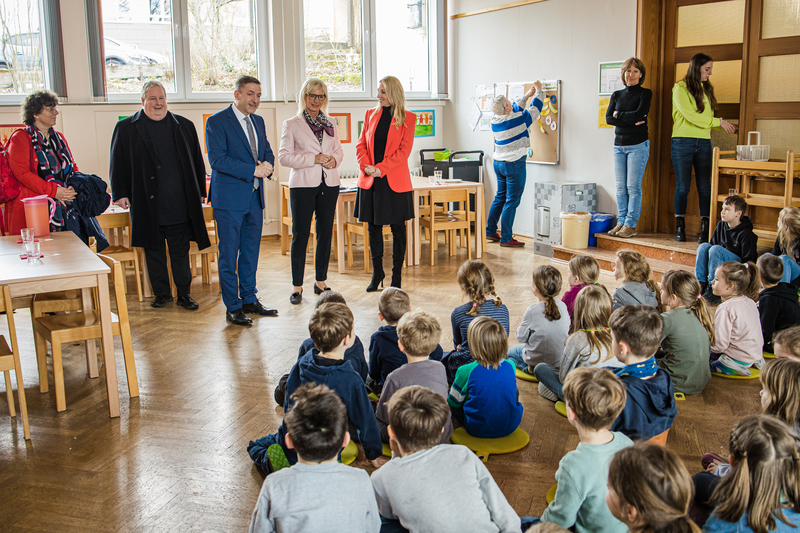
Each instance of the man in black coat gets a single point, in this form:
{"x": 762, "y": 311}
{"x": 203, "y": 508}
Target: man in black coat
{"x": 157, "y": 171}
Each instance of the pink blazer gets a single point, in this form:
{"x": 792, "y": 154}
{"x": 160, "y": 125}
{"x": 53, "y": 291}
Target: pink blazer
{"x": 299, "y": 145}
{"x": 399, "y": 143}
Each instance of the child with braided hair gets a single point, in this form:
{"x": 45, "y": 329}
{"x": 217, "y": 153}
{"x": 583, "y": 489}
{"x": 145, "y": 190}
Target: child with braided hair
{"x": 544, "y": 326}
{"x": 633, "y": 270}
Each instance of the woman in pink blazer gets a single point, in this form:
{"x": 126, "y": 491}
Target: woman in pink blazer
{"x": 384, "y": 182}
{"x": 310, "y": 146}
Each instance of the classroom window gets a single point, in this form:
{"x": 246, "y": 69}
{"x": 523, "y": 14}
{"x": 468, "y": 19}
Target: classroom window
{"x": 333, "y": 39}
{"x": 406, "y": 23}
{"x": 22, "y": 57}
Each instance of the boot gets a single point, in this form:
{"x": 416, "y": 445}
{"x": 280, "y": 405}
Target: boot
{"x": 398, "y": 253}
{"x": 377, "y": 276}
{"x": 680, "y": 229}
{"x": 703, "y": 237}
{"x": 376, "y": 250}
{"x": 703, "y": 287}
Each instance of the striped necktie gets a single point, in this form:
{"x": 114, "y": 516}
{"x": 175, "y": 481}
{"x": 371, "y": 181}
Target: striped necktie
{"x": 253, "y": 147}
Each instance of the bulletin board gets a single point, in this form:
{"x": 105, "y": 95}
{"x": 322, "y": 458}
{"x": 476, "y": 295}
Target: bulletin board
{"x": 545, "y": 133}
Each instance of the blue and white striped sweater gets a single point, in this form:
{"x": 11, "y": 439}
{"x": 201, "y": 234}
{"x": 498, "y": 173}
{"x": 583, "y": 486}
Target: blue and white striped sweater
{"x": 511, "y": 131}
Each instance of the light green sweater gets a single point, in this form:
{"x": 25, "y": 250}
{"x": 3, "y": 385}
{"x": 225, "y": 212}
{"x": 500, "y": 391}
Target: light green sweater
{"x": 581, "y": 495}
{"x": 686, "y": 121}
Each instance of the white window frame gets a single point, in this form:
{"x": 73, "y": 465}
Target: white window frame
{"x": 17, "y": 98}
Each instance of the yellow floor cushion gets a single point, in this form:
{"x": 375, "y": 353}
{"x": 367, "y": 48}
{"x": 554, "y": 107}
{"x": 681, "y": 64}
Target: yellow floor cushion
{"x": 387, "y": 450}
{"x": 525, "y": 376}
{"x": 373, "y": 397}
{"x": 349, "y": 453}
{"x": 768, "y": 355}
{"x": 754, "y": 374}
{"x": 551, "y": 494}
{"x": 485, "y": 447}
{"x": 561, "y": 408}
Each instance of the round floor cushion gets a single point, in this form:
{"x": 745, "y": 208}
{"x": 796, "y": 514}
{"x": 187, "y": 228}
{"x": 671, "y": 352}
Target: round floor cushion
{"x": 754, "y": 374}
{"x": 524, "y": 376}
{"x": 485, "y": 447}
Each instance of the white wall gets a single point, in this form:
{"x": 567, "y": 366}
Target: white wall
{"x": 555, "y": 39}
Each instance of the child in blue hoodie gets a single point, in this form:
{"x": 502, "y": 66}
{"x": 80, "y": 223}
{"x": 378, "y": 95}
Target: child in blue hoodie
{"x": 650, "y": 408}
{"x": 384, "y": 355}
{"x": 331, "y": 328}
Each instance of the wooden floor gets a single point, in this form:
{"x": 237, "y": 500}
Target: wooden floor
{"x": 176, "y": 459}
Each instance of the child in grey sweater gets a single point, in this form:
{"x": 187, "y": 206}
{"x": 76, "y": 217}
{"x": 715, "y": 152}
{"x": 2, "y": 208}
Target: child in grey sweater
{"x": 298, "y": 498}
{"x": 637, "y": 288}
{"x": 432, "y": 487}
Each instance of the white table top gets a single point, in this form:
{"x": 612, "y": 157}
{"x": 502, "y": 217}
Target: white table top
{"x": 64, "y": 255}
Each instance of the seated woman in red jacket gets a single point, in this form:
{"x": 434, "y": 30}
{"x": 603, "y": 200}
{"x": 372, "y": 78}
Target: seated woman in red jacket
{"x": 39, "y": 158}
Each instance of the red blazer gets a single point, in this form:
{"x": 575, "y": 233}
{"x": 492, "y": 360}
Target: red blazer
{"x": 23, "y": 162}
{"x": 399, "y": 143}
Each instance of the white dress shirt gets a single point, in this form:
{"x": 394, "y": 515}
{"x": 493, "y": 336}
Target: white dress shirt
{"x": 243, "y": 123}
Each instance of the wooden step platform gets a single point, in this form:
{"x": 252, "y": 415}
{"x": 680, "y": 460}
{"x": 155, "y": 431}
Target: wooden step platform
{"x": 562, "y": 255}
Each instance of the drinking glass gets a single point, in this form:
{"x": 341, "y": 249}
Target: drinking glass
{"x": 431, "y": 180}
{"x": 27, "y": 235}
{"x": 33, "y": 251}
{"x": 733, "y": 192}
{"x": 438, "y": 175}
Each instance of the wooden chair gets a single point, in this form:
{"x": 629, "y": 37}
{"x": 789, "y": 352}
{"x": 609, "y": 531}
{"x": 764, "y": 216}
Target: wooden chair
{"x": 9, "y": 360}
{"x": 361, "y": 228}
{"x": 118, "y": 249}
{"x": 286, "y": 223}
{"x": 447, "y": 221}
{"x": 208, "y": 253}
{"x": 51, "y": 302}
{"x": 58, "y": 329}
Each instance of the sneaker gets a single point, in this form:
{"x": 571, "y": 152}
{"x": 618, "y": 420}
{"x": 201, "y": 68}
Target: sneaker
{"x": 710, "y": 297}
{"x": 513, "y": 243}
{"x": 493, "y": 238}
{"x": 626, "y": 232}
{"x": 277, "y": 458}
{"x": 616, "y": 229}
{"x": 546, "y": 393}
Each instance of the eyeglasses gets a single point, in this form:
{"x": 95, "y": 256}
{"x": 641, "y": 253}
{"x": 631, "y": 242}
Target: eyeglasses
{"x": 316, "y": 97}
{"x": 50, "y": 108}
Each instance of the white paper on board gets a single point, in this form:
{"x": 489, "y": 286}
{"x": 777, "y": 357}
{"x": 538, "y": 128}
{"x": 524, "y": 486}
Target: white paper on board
{"x": 474, "y": 116}
{"x": 484, "y": 95}
{"x": 516, "y": 91}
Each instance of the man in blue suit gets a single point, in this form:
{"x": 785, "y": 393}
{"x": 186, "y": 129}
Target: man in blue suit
{"x": 240, "y": 158}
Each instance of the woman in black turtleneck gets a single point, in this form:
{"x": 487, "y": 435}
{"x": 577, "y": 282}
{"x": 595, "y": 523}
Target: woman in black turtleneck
{"x": 384, "y": 183}
{"x": 627, "y": 111}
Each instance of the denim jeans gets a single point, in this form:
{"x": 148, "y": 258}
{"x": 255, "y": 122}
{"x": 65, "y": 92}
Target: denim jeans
{"x": 510, "y": 184}
{"x": 688, "y": 152}
{"x": 629, "y": 165}
{"x": 515, "y": 356}
{"x": 790, "y": 269}
{"x": 709, "y": 257}
{"x": 548, "y": 376}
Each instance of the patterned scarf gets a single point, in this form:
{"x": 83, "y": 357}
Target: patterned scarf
{"x": 645, "y": 369}
{"x": 55, "y": 164}
{"x": 319, "y": 125}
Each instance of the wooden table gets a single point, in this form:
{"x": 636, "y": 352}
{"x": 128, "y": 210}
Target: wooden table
{"x": 67, "y": 263}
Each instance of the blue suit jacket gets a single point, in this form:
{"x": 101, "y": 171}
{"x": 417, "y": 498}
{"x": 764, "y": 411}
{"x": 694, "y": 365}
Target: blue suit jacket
{"x": 232, "y": 164}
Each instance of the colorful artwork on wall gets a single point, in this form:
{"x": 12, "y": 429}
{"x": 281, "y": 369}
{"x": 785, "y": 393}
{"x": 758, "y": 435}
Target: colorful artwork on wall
{"x": 343, "y": 123}
{"x": 426, "y": 122}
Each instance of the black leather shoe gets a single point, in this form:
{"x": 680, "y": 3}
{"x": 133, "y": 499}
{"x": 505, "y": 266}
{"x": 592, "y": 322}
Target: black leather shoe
{"x": 257, "y": 308}
{"x": 187, "y": 302}
{"x": 239, "y": 318}
{"x": 319, "y": 291}
{"x": 296, "y": 298}
{"x": 161, "y": 301}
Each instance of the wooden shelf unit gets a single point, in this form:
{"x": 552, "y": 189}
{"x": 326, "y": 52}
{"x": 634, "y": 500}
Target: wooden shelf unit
{"x": 763, "y": 184}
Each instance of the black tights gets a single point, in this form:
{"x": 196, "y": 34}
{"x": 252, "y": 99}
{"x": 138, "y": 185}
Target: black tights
{"x": 398, "y": 245}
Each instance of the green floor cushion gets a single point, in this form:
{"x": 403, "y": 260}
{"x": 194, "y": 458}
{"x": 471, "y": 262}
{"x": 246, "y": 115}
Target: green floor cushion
{"x": 277, "y": 457}
{"x": 485, "y": 447}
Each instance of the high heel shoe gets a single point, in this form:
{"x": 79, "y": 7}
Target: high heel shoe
{"x": 377, "y": 279}
{"x": 319, "y": 291}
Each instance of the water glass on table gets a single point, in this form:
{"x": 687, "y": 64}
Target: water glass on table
{"x": 27, "y": 235}
{"x": 437, "y": 174}
{"x": 33, "y": 251}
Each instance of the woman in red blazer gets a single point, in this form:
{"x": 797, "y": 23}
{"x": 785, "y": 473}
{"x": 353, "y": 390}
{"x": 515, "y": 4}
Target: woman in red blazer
{"x": 39, "y": 158}
{"x": 384, "y": 182}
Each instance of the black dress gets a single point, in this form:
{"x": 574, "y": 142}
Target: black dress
{"x": 379, "y": 204}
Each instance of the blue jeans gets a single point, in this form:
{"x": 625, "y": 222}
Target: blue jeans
{"x": 510, "y": 184}
{"x": 791, "y": 270}
{"x": 548, "y": 376}
{"x": 515, "y": 356}
{"x": 709, "y": 257}
{"x": 688, "y": 152}
{"x": 629, "y": 165}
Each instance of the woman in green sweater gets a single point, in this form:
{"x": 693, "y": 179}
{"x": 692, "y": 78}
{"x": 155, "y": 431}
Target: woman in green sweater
{"x": 693, "y": 105}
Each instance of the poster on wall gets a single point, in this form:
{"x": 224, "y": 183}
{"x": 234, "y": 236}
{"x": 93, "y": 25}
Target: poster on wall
{"x": 6, "y": 130}
{"x": 360, "y": 127}
{"x": 601, "y": 110}
{"x": 484, "y": 95}
{"x": 205, "y": 118}
{"x": 610, "y": 77}
{"x": 425, "y": 123}
{"x": 343, "y": 123}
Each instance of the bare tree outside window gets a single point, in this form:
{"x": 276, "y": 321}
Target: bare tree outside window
{"x": 21, "y": 69}
{"x": 333, "y": 47}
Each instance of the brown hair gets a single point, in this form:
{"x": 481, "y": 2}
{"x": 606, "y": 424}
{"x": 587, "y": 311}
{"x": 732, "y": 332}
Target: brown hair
{"x": 419, "y": 332}
{"x": 393, "y": 304}
{"x": 417, "y": 416}
{"x": 547, "y": 280}
{"x": 638, "y": 326}
{"x": 771, "y": 268}
{"x": 635, "y": 61}
{"x": 789, "y": 338}
{"x": 316, "y": 422}
{"x": 737, "y": 202}
{"x": 696, "y": 87}
{"x": 592, "y": 310}
{"x": 596, "y": 396}
{"x": 547, "y": 527}
{"x": 781, "y": 379}
{"x": 330, "y": 297}
{"x": 654, "y": 481}
{"x": 35, "y": 102}
{"x": 765, "y": 474}
{"x": 329, "y": 325}
{"x": 743, "y": 276}
{"x": 684, "y": 286}
{"x": 637, "y": 269}
{"x": 585, "y": 268}
{"x": 477, "y": 282}
{"x": 789, "y": 230}
{"x": 488, "y": 341}
{"x": 245, "y": 79}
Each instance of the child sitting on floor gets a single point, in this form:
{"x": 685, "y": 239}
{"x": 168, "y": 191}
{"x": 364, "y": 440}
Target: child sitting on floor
{"x": 777, "y": 303}
{"x": 589, "y": 345}
{"x": 737, "y": 325}
{"x": 637, "y": 288}
{"x": 435, "y": 487}
{"x": 477, "y": 283}
{"x": 316, "y": 428}
{"x": 331, "y": 327}
{"x": 786, "y": 343}
{"x": 544, "y": 326}
{"x": 594, "y": 398}
{"x": 384, "y": 355}
{"x": 650, "y": 407}
{"x": 583, "y": 270}
{"x": 688, "y": 333}
{"x": 418, "y": 334}
{"x": 484, "y": 395}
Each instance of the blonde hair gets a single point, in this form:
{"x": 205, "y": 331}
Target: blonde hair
{"x": 765, "y": 474}
{"x": 637, "y": 269}
{"x": 595, "y": 395}
{"x": 397, "y": 99}
{"x": 547, "y": 280}
{"x": 593, "y": 308}
{"x": 789, "y": 338}
{"x": 419, "y": 332}
{"x": 393, "y": 304}
{"x": 789, "y": 229}
{"x": 488, "y": 342}
{"x": 477, "y": 282}
{"x": 684, "y": 286}
{"x": 655, "y": 482}
{"x": 585, "y": 268}
{"x": 312, "y": 84}
{"x": 743, "y": 276}
{"x": 781, "y": 379}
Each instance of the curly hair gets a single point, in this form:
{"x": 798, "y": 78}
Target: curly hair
{"x": 34, "y": 104}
